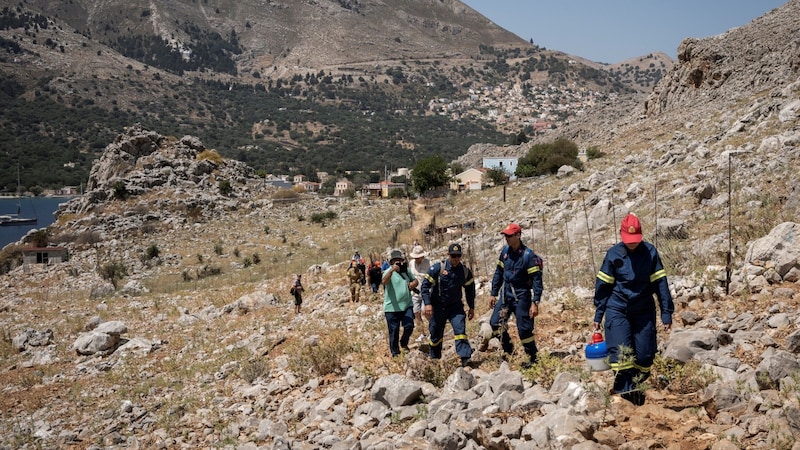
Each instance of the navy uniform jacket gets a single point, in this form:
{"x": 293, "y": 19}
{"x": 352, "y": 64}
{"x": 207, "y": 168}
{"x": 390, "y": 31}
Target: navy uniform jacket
{"x": 628, "y": 280}
{"x": 446, "y": 289}
{"x": 518, "y": 273}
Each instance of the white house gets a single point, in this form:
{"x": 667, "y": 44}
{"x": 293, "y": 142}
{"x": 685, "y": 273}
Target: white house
{"x": 342, "y": 186}
{"x": 468, "y": 180}
{"x": 506, "y": 163}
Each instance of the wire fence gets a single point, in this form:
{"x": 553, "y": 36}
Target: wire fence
{"x": 573, "y": 244}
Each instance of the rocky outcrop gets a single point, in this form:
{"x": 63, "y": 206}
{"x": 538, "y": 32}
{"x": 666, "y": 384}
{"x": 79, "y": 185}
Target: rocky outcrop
{"x": 742, "y": 60}
{"x": 140, "y": 162}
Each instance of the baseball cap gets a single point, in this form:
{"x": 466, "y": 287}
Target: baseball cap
{"x": 630, "y": 230}
{"x": 454, "y": 249}
{"x": 511, "y": 229}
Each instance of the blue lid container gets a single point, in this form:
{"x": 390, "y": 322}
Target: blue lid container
{"x": 596, "y": 355}
{"x": 597, "y": 350}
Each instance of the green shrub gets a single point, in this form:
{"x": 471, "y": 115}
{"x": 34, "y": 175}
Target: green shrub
{"x": 120, "y": 190}
{"x": 681, "y": 378}
{"x": 225, "y": 187}
{"x": 323, "y": 218}
{"x": 594, "y": 153}
{"x": 252, "y": 370}
{"x": 546, "y": 369}
{"x": 208, "y": 271}
{"x": 112, "y": 272}
{"x": 152, "y": 252}
{"x": 544, "y": 159}
{"x": 324, "y": 357}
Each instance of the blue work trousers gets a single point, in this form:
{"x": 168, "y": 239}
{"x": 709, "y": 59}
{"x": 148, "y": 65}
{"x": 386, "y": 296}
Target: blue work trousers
{"x": 631, "y": 342}
{"x": 394, "y": 320}
{"x": 521, "y": 311}
{"x": 458, "y": 320}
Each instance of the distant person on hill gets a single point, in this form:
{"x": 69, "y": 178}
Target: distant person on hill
{"x": 397, "y": 284}
{"x": 517, "y": 281}
{"x": 419, "y": 266}
{"x": 441, "y": 293}
{"x": 297, "y": 291}
{"x": 374, "y": 274}
{"x": 631, "y": 274}
{"x": 354, "y": 277}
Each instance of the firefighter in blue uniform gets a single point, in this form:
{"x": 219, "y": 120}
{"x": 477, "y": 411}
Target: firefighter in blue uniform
{"x": 441, "y": 294}
{"x": 518, "y": 281}
{"x": 629, "y": 277}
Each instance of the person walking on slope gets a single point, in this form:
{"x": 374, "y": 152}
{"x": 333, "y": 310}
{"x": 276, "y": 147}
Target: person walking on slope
{"x": 354, "y": 277}
{"x": 441, "y": 294}
{"x": 297, "y": 291}
{"x": 397, "y": 284}
{"x": 517, "y": 281}
{"x": 631, "y": 273}
{"x": 374, "y": 274}
{"x": 419, "y": 266}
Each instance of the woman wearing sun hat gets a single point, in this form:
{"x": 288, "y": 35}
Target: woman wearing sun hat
{"x": 631, "y": 274}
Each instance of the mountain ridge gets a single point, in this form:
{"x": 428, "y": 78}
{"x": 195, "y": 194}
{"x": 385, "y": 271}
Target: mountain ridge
{"x": 406, "y": 68}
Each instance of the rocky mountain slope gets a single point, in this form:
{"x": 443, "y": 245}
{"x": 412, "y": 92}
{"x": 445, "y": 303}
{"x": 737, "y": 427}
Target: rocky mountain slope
{"x": 194, "y": 345}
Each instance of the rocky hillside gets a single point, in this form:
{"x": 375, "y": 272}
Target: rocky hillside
{"x": 170, "y": 325}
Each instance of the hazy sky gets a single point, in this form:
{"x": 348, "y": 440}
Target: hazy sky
{"x": 611, "y": 31}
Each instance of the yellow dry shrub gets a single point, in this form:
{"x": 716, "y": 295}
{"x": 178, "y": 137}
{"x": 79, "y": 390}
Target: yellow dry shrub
{"x": 210, "y": 155}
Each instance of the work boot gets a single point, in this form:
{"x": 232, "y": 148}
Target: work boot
{"x": 635, "y": 397}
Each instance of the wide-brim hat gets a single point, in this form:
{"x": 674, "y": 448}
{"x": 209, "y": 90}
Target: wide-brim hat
{"x": 418, "y": 252}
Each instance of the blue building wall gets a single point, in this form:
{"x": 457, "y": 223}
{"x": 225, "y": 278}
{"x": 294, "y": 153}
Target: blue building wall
{"x": 509, "y": 165}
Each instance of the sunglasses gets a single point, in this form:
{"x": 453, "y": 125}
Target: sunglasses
{"x": 455, "y": 256}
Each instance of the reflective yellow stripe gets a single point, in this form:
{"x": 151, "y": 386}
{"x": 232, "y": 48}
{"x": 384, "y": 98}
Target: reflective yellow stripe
{"x": 605, "y": 278}
{"x": 430, "y": 278}
{"x": 617, "y": 366}
{"x": 470, "y": 281}
{"x": 500, "y": 263}
{"x": 436, "y": 344}
{"x": 641, "y": 368}
{"x": 533, "y": 269}
{"x": 497, "y": 332}
{"x": 460, "y": 337}
{"x": 526, "y": 340}
{"x": 658, "y": 275}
